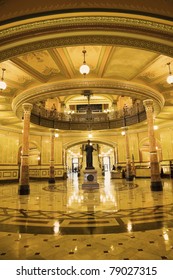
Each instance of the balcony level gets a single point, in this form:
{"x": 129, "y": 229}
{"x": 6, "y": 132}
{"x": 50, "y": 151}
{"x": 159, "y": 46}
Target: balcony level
{"x": 88, "y": 120}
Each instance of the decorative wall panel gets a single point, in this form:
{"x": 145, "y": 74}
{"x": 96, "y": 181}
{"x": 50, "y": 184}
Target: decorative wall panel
{"x": 9, "y": 145}
{"x": 9, "y": 173}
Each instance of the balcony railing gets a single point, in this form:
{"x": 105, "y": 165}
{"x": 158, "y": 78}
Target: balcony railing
{"x": 88, "y": 120}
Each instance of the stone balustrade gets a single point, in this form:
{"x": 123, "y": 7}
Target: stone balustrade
{"x": 87, "y": 120}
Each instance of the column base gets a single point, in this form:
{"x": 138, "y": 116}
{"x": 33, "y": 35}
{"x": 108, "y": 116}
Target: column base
{"x": 51, "y": 180}
{"x": 88, "y": 168}
{"x": 156, "y": 186}
{"x": 130, "y": 178}
{"x": 24, "y": 190}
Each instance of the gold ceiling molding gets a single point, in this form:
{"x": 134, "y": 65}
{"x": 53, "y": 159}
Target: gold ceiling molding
{"x": 106, "y": 97}
{"x": 80, "y": 21}
{"x": 63, "y": 32}
{"x": 72, "y": 87}
{"x": 84, "y": 39}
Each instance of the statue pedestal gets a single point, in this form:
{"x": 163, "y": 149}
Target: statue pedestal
{"x": 90, "y": 179}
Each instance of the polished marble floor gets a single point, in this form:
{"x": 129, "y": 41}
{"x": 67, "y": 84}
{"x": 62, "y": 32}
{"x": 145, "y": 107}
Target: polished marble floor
{"x": 118, "y": 221}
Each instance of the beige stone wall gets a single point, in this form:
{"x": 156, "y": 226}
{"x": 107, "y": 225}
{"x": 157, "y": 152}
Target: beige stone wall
{"x": 121, "y": 149}
{"x": 58, "y": 151}
{"x": 11, "y": 142}
{"x": 45, "y": 150}
{"x": 166, "y": 140}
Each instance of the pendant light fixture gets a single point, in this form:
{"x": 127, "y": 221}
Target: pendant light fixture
{"x": 2, "y": 83}
{"x": 170, "y": 77}
{"x": 84, "y": 69}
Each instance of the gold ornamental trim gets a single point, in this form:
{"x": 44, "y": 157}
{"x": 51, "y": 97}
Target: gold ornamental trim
{"x": 78, "y": 30}
{"x": 77, "y": 86}
{"x": 87, "y": 21}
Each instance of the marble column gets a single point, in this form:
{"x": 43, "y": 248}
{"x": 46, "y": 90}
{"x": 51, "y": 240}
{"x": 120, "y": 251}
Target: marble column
{"x": 52, "y": 151}
{"x": 129, "y": 171}
{"x": 65, "y": 164}
{"x": 156, "y": 183}
{"x": 24, "y": 188}
{"x": 116, "y": 157}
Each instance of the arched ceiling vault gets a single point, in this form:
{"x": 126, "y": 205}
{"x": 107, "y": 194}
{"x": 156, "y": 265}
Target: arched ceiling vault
{"x": 127, "y": 52}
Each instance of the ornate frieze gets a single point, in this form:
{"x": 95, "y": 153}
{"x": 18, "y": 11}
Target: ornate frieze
{"x": 110, "y": 26}
{"x": 109, "y": 86}
{"x": 90, "y": 21}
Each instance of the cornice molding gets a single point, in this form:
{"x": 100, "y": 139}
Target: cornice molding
{"x": 139, "y": 33}
{"x": 84, "y": 39}
{"x": 77, "y": 86}
{"x": 95, "y": 21}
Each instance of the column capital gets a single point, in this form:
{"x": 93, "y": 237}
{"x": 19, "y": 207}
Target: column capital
{"x": 148, "y": 103}
{"x": 53, "y": 133}
{"x": 27, "y": 107}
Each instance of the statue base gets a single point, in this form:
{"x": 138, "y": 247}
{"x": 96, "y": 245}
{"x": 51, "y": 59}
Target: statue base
{"x": 90, "y": 179}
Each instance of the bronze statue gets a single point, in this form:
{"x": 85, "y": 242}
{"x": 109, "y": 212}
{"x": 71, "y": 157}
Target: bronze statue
{"x": 89, "y": 158}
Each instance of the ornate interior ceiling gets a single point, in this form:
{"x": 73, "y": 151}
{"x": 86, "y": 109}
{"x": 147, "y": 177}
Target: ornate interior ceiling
{"x": 127, "y": 54}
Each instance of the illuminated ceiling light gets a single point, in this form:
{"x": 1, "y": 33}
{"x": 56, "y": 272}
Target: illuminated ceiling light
{"x": 2, "y": 83}
{"x": 170, "y": 77}
{"x": 123, "y": 133}
{"x": 84, "y": 69}
{"x": 156, "y": 127}
{"x": 56, "y": 135}
{"x": 90, "y": 135}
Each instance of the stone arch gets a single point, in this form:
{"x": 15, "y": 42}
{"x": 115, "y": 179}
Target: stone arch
{"x": 80, "y": 29}
{"x": 111, "y": 144}
{"x": 34, "y": 153}
{"x": 74, "y": 143}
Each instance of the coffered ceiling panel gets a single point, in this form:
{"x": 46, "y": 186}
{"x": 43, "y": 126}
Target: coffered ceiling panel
{"x": 92, "y": 56}
{"x": 41, "y": 62}
{"x": 127, "y": 63}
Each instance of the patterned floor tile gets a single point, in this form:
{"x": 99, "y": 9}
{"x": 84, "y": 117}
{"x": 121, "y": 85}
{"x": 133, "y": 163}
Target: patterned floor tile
{"x": 117, "y": 221}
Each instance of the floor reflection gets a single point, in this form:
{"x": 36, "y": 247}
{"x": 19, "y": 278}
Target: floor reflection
{"x": 128, "y": 217}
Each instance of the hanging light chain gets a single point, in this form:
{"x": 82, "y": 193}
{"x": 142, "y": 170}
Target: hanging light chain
{"x": 3, "y": 70}
{"x": 84, "y": 69}
{"x": 2, "y": 83}
{"x": 169, "y": 67}
{"x": 170, "y": 77}
{"x": 84, "y": 53}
